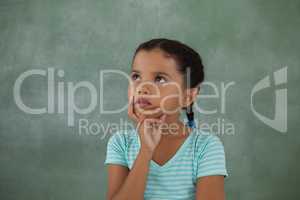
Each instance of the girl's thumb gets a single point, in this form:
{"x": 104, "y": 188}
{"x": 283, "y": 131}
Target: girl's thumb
{"x": 163, "y": 118}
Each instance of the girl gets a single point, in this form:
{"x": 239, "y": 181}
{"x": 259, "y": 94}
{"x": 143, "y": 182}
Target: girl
{"x": 165, "y": 158}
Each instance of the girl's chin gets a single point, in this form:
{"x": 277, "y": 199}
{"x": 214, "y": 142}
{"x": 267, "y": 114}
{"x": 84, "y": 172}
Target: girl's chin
{"x": 150, "y": 113}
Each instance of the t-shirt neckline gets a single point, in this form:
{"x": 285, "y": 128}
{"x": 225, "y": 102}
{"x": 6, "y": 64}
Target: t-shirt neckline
{"x": 174, "y": 157}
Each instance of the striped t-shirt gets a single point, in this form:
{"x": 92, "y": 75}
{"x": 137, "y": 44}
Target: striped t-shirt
{"x": 201, "y": 154}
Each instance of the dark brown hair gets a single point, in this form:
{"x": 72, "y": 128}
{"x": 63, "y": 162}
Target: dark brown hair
{"x": 188, "y": 61}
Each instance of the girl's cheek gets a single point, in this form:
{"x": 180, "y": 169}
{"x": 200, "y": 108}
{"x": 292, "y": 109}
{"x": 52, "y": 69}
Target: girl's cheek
{"x": 130, "y": 91}
{"x": 170, "y": 104}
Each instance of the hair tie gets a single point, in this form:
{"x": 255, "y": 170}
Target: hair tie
{"x": 191, "y": 123}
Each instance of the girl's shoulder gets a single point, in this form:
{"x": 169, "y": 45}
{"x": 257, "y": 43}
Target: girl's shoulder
{"x": 209, "y": 154}
{"x": 202, "y": 140}
{"x": 123, "y": 137}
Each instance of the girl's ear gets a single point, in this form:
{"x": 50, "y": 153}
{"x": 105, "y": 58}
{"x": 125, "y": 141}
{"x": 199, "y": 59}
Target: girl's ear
{"x": 190, "y": 96}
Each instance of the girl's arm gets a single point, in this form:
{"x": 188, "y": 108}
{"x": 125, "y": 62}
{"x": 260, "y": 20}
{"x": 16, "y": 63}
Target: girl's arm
{"x": 210, "y": 188}
{"x": 129, "y": 185}
{"x": 211, "y": 170}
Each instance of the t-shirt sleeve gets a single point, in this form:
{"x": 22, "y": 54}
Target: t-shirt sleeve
{"x": 211, "y": 160}
{"x": 116, "y": 149}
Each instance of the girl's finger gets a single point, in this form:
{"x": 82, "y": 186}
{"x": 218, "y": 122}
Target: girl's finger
{"x": 131, "y": 110}
{"x": 153, "y": 123}
{"x": 134, "y": 111}
{"x": 154, "y": 120}
{"x": 140, "y": 123}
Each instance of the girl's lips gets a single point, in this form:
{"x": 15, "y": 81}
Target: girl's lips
{"x": 142, "y": 102}
{"x": 142, "y": 105}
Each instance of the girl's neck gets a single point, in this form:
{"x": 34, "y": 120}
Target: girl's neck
{"x": 180, "y": 130}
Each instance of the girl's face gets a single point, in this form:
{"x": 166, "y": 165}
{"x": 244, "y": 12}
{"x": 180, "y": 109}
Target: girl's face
{"x": 155, "y": 78}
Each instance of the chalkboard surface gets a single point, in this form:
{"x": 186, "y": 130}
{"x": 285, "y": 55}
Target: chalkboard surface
{"x": 52, "y": 52}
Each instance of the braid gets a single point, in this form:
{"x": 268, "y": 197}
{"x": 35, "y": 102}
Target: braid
{"x": 190, "y": 116}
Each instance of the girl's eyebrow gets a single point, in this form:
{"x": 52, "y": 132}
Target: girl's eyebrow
{"x": 163, "y": 73}
{"x": 137, "y": 71}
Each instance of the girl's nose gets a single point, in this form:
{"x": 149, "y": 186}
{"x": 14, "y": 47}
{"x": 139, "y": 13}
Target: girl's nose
{"x": 143, "y": 90}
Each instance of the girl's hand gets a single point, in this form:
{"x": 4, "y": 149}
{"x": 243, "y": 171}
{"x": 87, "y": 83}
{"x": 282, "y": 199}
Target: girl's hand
{"x": 149, "y": 129}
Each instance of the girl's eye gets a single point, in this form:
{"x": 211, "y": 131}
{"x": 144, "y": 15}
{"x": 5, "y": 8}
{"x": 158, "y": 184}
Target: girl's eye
{"x": 134, "y": 76}
{"x": 160, "y": 79}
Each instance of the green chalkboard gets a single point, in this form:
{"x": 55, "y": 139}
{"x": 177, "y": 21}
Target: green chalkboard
{"x": 250, "y": 50}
